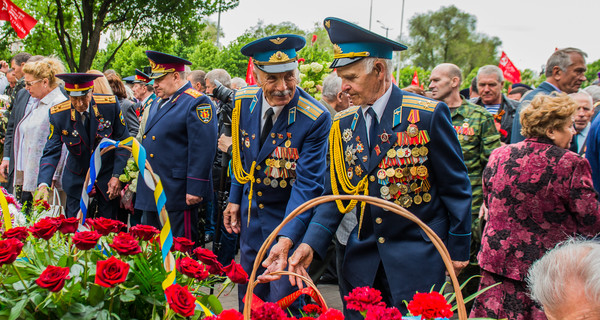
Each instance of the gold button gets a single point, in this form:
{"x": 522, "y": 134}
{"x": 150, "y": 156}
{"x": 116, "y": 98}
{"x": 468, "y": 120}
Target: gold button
{"x": 144, "y": 137}
{"x": 257, "y": 167}
{"x": 153, "y": 138}
{"x": 259, "y": 193}
{"x": 257, "y": 180}
{"x": 274, "y": 142}
{"x": 378, "y": 220}
{"x": 372, "y": 178}
{"x": 381, "y": 239}
{"x": 262, "y": 206}
{"x": 152, "y": 155}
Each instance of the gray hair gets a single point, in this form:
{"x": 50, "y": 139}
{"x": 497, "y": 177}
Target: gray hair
{"x": 220, "y": 75}
{"x": 474, "y": 85}
{"x": 584, "y": 95}
{"x": 491, "y": 69}
{"x": 332, "y": 85}
{"x": 198, "y": 76}
{"x": 593, "y": 91}
{"x": 562, "y": 58}
{"x": 239, "y": 82}
{"x": 571, "y": 263}
{"x": 369, "y": 63}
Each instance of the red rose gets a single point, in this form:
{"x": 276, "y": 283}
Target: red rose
{"x": 68, "y": 225}
{"x": 143, "y": 232}
{"x": 19, "y": 233}
{"x": 45, "y": 228}
{"x": 111, "y": 272}
{"x": 430, "y": 305}
{"x": 191, "y": 268}
{"x": 105, "y": 226}
{"x": 230, "y": 315}
{"x": 180, "y": 300}
{"x": 363, "y": 297}
{"x": 86, "y": 240}
{"x": 182, "y": 244}
{"x": 332, "y": 314}
{"x": 125, "y": 244}
{"x": 53, "y": 278}
{"x": 236, "y": 273}
{"x": 216, "y": 269}
{"x": 383, "y": 313}
{"x": 268, "y": 311}
{"x": 206, "y": 256}
{"x": 9, "y": 250}
{"x": 312, "y": 309}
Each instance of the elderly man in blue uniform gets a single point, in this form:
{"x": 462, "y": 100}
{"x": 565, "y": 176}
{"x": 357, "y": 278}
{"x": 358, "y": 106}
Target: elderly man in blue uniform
{"x": 143, "y": 90}
{"x": 80, "y": 124}
{"x": 180, "y": 138}
{"x": 400, "y": 147}
{"x": 279, "y": 137}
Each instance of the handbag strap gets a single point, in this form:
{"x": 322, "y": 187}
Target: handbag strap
{"x": 56, "y": 197}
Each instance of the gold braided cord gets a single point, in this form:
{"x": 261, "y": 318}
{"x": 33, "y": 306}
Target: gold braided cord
{"x": 338, "y": 166}
{"x": 236, "y": 161}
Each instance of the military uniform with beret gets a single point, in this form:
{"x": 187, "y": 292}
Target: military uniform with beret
{"x": 272, "y": 180}
{"x": 410, "y": 156}
{"x": 180, "y": 138}
{"x": 68, "y": 128}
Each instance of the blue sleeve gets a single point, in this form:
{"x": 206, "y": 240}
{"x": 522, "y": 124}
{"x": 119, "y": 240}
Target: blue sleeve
{"x": 515, "y": 135}
{"x": 202, "y": 146}
{"x": 592, "y": 150}
{"x": 120, "y": 133}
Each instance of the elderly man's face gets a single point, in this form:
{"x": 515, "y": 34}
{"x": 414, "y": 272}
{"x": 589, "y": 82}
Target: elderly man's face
{"x": 139, "y": 90}
{"x": 570, "y": 81}
{"x": 490, "y": 89}
{"x": 584, "y": 112}
{"x": 363, "y": 88}
{"x": 81, "y": 103}
{"x": 279, "y": 88}
{"x": 575, "y": 307}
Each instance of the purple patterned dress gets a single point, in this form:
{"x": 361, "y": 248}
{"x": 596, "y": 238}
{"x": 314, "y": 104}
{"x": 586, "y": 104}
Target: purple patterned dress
{"x": 538, "y": 195}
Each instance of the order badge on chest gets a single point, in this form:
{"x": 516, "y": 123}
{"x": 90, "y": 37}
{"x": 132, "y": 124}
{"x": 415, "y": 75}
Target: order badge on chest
{"x": 281, "y": 164}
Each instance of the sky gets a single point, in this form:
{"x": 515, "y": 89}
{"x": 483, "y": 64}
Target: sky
{"x": 530, "y": 30}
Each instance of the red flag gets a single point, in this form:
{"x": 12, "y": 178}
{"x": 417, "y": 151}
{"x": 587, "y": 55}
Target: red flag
{"x": 415, "y": 80}
{"x": 19, "y": 19}
{"x": 249, "y": 75}
{"x": 511, "y": 73}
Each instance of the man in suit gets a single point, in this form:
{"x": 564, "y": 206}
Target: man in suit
{"x": 565, "y": 72}
{"x": 180, "y": 138}
{"x": 279, "y": 141}
{"x": 80, "y": 124}
{"x": 400, "y": 147}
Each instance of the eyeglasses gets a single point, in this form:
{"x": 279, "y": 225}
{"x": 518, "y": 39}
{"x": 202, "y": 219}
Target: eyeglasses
{"x": 29, "y": 84}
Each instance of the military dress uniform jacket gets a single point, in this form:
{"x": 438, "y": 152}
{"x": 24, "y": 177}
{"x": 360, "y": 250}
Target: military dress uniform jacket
{"x": 289, "y": 167}
{"x": 66, "y": 127}
{"x": 438, "y": 193}
{"x": 180, "y": 141}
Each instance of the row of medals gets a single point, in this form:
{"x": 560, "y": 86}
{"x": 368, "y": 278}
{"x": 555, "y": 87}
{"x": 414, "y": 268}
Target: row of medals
{"x": 277, "y": 166}
{"x": 393, "y": 178}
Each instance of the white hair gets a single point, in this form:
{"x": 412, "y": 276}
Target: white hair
{"x": 369, "y": 63}
{"x": 491, "y": 69}
{"x": 332, "y": 85}
{"x": 575, "y": 262}
{"x": 584, "y": 95}
{"x": 594, "y": 91}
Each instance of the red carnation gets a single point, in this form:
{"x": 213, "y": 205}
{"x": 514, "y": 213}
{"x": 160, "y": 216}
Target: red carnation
{"x": 191, "y": 268}
{"x": 86, "y": 240}
{"x": 236, "y": 273}
{"x": 383, "y": 313}
{"x": 332, "y": 314}
{"x": 53, "y": 278}
{"x": 312, "y": 308}
{"x": 125, "y": 244}
{"x": 45, "y": 228}
{"x": 105, "y": 226}
{"x": 430, "y": 305}
{"x": 182, "y": 244}
{"x": 143, "y": 232}
{"x": 9, "y": 250}
{"x": 180, "y": 300}
{"x": 68, "y": 225}
{"x": 111, "y": 272}
{"x": 269, "y": 311}
{"x": 230, "y": 315}
{"x": 19, "y": 233}
{"x": 363, "y": 297}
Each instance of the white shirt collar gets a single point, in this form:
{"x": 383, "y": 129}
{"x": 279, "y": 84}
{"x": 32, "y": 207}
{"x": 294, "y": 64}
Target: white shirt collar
{"x": 265, "y": 107}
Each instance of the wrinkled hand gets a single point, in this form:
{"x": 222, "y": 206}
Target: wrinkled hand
{"x": 42, "y": 193}
{"x": 277, "y": 260}
{"x": 232, "y": 218}
{"x": 299, "y": 263}
{"x": 458, "y": 266}
{"x": 4, "y": 169}
{"x": 114, "y": 188}
{"x": 191, "y": 199}
{"x": 224, "y": 142}
{"x": 483, "y": 212}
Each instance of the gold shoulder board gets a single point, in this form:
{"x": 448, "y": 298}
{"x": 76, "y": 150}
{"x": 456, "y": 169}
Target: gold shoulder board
{"x": 193, "y": 92}
{"x": 246, "y": 92}
{"x": 103, "y": 99}
{"x": 61, "y": 107}
{"x": 345, "y": 113}
{"x": 419, "y": 102}
{"x": 310, "y": 109}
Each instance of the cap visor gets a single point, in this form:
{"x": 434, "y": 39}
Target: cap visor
{"x": 278, "y": 68}
{"x": 157, "y": 75}
{"x": 341, "y": 62}
{"x": 78, "y": 93}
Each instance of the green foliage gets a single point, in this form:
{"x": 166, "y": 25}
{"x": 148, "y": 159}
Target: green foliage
{"x": 592, "y": 73}
{"x": 407, "y": 73}
{"x": 449, "y": 35}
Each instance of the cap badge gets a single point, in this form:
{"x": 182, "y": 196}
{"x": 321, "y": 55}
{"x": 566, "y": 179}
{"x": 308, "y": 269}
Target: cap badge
{"x": 278, "y": 41}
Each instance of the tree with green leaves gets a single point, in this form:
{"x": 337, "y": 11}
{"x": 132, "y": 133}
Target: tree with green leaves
{"x": 449, "y": 35}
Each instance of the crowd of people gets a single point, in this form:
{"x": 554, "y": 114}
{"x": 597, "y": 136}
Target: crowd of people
{"x": 501, "y": 178}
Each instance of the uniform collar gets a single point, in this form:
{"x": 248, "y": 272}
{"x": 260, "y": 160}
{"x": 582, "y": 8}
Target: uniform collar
{"x": 265, "y": 107}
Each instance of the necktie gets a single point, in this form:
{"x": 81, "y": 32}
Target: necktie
{"x": 85, "y": 118}
{"x": 574, "y": 145}
{"x": 267, "y": 127}
{"x": 374, "y": 129}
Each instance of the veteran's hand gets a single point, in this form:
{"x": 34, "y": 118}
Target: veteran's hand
{"x": 191, "y": 199}
{"x": 224, "y": 143}
{"x": 4, "y": 169}
{"x": 114, "y": 188}
{"x": 42, "y": 193}
{"x": 458, "y": 266}
{"x": 277, "y": 260}
{"x": 299, "y": 263}
{"x": 483, "y": 212}
{"x": 232, "y": 218}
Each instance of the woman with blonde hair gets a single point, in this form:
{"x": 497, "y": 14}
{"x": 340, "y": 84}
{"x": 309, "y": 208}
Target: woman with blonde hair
{"x": 101, "y": 84}
{"x": 32, "y": 132}
{"x": 538, "y": 194}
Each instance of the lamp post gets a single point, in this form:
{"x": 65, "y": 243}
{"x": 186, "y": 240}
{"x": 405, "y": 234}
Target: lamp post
{"x": 400, "y": 40}
{"x": 387, "y": 29}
